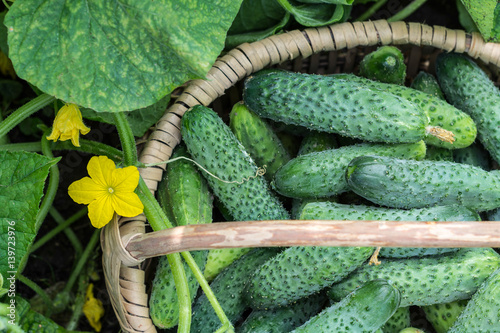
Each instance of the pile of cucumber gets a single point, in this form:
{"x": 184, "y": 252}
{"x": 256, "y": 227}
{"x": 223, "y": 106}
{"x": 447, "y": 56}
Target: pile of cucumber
{"x": 342, "y": 147}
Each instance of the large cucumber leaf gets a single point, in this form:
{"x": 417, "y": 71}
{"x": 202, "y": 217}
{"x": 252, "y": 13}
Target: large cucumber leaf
{"x": 110, "y": 55}
{"x": 22, "y": 178}
{"x": 317, "y": 14}
{"x": 486, "y": 16}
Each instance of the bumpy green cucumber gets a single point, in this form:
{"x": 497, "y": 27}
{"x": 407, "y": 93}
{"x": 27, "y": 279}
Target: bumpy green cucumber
{"x": 442, "y": 316}
{"x": 475, "y": 154}
{"x": 322, "y": 174}
{"x": 398, "y": 321}
{"x": 439, "y": 112}
{"x": 482, "y": 312}
{"x": 428, "y": 84}
{"x": 366, "y": 309}
{"x": 400, "y": 183}
{"x": 218, "y": 259}
{"x": 336, "y": 105}
{"x": 337, "y": 211}
{"x": 434, "y": 153}
{"x": 228, "y": 287}
{"x": 234, "y": 177}
{"x": 258, "y": 138}
{"x": 386, "y": 64}
{"x": 316, "y": 141}
{"x": 184, "y": 191}
{"x": 283, "y": 319}
{"x": 427, "y": 280}
{"x": 468, "y": 87}
{"x": 301, "y": 271}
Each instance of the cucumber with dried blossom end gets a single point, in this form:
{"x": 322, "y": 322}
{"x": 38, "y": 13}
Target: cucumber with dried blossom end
{"x": 336, "y": 105}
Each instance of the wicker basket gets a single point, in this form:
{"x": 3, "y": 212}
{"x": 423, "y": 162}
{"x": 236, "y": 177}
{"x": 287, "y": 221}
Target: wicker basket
{"x": 336, "y": 48}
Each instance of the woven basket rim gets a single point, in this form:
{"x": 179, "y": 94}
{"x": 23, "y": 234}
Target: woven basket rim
{"x": 125, "y": 279}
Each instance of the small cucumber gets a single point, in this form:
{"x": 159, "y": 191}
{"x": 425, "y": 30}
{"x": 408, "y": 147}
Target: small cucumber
{"x": 316, "y": 141}
{"x": 403, "y": 183}
{"x": 337, "y": 211}
{"x": 336, "y": 105}
{"x": 283, "y": 319}
{"x": 468, "y": 87}
{"x": 427, "y": 83}
{"x": 386, "y": 64}
{"x": 442, "y": 316}
{"x": 366, "y": 309}
{"x": 440, "y": 113}
{"x": 427, "y": 280}
{"x": 482, "y": 312}
{"x": 398, "y": 321}
{"x": 301, "y": 271}
{"x": 322, "y": 174}
{"x": 228, "y": 288}
{"x": 258, "y": 138}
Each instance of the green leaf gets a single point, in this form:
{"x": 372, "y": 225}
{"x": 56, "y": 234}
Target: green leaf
{"x": 22, "y": 178}
{"x": 110, "y": 55}
{"x": 31, "y": 321}
{"x": 316, "y": 14}
{"x": 486, "y": 15}
{"x": 465, "y": 19}
{"x": 140, "y": 120}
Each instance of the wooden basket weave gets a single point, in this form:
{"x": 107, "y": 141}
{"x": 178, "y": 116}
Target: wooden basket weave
{"x": 125, "y": 242}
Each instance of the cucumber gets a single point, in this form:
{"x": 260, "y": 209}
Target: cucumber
{"x": 398, "y": 321}
{"x": 412, "y": 330}
{"x": 366, "y": 309}
{"x": 337, "y": 211}
{"x": 234, "y": 177}
{"x": 317, "y": 141}
{"x": 482, "y": 312}
{"x": 427, "y": 280}
{"x": 434, "y": 153}
{"x": 336, "y": 105}
{"x": 400, "y": 183}
{"x": 322, "y": 174}
{"x": 475, "y": 154}
{"x": 442, "y": 316}
{"x": 468, "y": 87}
{"x": 218, "y": 259}
{"x": 258, "y": 138}
{"x": 440, "y": 113}
{"x": 184, "y": 192}
{"x": 228, "y": 288}
{"x": 301, "y": 271}
{"x": 283, "y": 319}
{"x": 427, "y": 83}
{"x": 386, "y": 64}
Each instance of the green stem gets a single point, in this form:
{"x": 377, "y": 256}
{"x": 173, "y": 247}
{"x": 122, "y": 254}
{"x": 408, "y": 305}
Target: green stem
{"x": 24, "y": 112}
{"x": 39, "y": 291}
{"x": 24, "y": 146}
{"x": 156, "y": 216}
{"x": 182, "y": 290}
{"x": 63, "y": 225}
{"x": 198, "y": 274}
{"x": 126, "y": 137}
{"x": 370, "y": 11}
{"x": 82, "y": 261}
{"x": 83, "y": 283}
{"x": 407, "y": 11}
{"x": 3, "y": 139}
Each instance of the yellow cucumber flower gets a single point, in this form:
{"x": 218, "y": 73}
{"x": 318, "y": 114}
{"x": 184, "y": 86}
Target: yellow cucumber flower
{"x": 68, "y": 124}
{"x": 93, "y": 309}
{"x": 107, "y": 190}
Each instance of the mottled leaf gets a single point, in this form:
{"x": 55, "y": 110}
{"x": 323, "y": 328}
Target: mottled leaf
{"x": 22, "y": 178}
{"x": 486, "y": 16}
{"x": 111, "y": 55}
{"x": 464, "y": 18}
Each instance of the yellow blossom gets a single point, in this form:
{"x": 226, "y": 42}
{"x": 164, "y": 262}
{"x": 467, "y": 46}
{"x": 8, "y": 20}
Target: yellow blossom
{"x": 93, "y": 309}
{"x": 6, "y": 67}
{"x": 107, "y": 190}
{"x": 68, "y": 124}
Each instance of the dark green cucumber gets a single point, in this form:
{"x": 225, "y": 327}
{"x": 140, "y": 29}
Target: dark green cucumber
{"x": 482, "y": 312}
{"x": 228, "y": 288}
{"x": 398, "y": 321}
{"x": 283, "y": 319}
{"x": 316, "y": 141}
{"x": 434, "y": 153}
{"x": 427, "y": 83}
{"x": 337, "y": 211}
{"x": 366, "y": 309}
{"x": 468, "y": 87}
{"x": 427, "y": 280}
{"x": 440, "y": 113}
{"x": 400, "y": 183}
{"x": 184, "y": 192}
{"x": 258, "y": 138}
{"x": 442, "y": 316}
{"x": 385, "y": 64}
{"x": 301, "y": 271}
{"x": 234, "y": 177}
{"x": 475, "y": 154}
{"x": 336, "y": 105}
{"x": 322, "y": 174}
